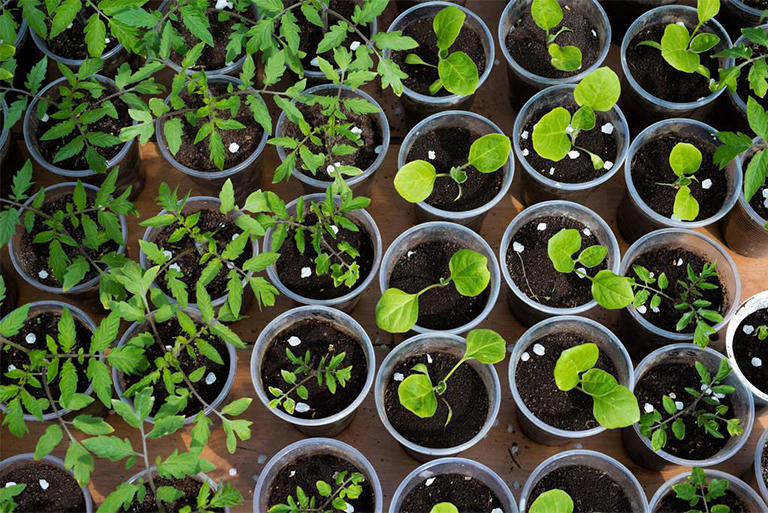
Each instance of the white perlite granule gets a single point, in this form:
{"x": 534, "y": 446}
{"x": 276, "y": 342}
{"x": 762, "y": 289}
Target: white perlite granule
{"x": 294, "y": 341}
{"x": 306, "y": 272}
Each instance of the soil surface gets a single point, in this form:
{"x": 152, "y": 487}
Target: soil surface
{"x": 322, "y": 339}
{"x": 535, "y": 381}
{"x": 466, "y": 393}
{"x": 190, "y": 487}
{"x": 450, "y": 147}
{"x": 536, "y": 277}
{"x": 759, "y": 201}
{"x": 467, "y": 494}
{"x": 441, "y": 308}
{"x": 667, "y": 260}
{"x": 671, "y": 504}
{"x": 62, "y": 494}
{"x": 291, "y": 263}
{"x": 674, "y": 378}
{"x": 420, "y": 77}
{"x": 747, "y": 347}
{"x": 306, "y": 471}
{"x": 70, "y": 44}
{"x": 760, "y": 4}
{"x": 591, "y": 489}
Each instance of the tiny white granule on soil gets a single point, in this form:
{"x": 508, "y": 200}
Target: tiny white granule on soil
{"x": 642, "y": 309}
{"x": 314, "y": 62}
{"x": 335, "y": 229}
{"x": 706, "y": 184}
{"x": 711, "y": 81}
{"x": 525, "y": 356}
{"x": 516, "y": 485}
{"x": 526, "y": 152}
{"x": 681, "y": 23}
{"x": 551, "y": 170}
{"x": 510, "y": 428}
{"x": 517, "y": 247}
{"x": 410, "y": 253}
{"x": 210, "y": 379}
{"x": 10, "y": 483}
{"x": 747, "y": 329}
{"x": 648, "y": 408}
{"x": 234, "y": 147}
{"x": 680, "y": 262}
{"x": 679, "y": 405}
{"x": 11, "y": 368}
{"x": 330, "y": 169}
{"x": 765, "y": 193}
{"x": 429, "y": 359}
{"x": 69, "y": 26}
{"x": 175, "y": 267}
{"x": 582, "y": 273}
{"x": 262, "y": 458}
{"x": 538, "y": 350}
{"x": 431, "y": 155}
{"x": 765, "y": 203}
{"x": 573, "y": 154}
{"x": 337, "y": 164}
{"x": 302, "y": 407}
{"x": 232, "y": 471}
{"x": 672, "y": 395}
{"x": 541, "y": 227}
{"x": 757, "y": 362}
{"x": 45, "y": 118}
{"x": 43, "y": 274}
{"x": 594, "y": 34}
{"x": 221, "y": 4}
{"x": 607, "y": 128}
{"x": 30, "y": 338}
{"x": 608, "y": 165}
{"x": 107, "y": 40}
{"x": 378, "y": 149}
{"x": 292, "y": 473}
{"x": 348, "y": 508}
{"x": 167, "y": 254}
{"x": 398, "y": 376}
{"x": 294, "y": 341}
{"x": 306, "y": 272}
{"x": 655, "y": 309}
{"x": 354, "y": 45}
{"x": 497, "y": 510}
{"x": 524, "y": 135}
{"x": 168, "y": 348}
{"x": 356, "y": 130}
{"x": 429, "y": 481}
{"x": 587, "y": 232}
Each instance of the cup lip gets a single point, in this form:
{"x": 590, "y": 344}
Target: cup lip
{"x": 352, "y": 294}
{"x": 621, "y": 156}
{"x": 709, "y": 472}
{"x": 758, "y": 467}
{"x": 724, "y": 454}
{"x": 548, "y": 81}
{"x": 748, "y": 307}
{"x": 368, "y": 469}
{"x": 527, "y": 338}
{"x": 636, "y": 145}
{"x": 612, "y": 243}
{"x": 319, "y": 75}
{"x": 308, "y": 312}
{"x": 72, "y": 63}
{"x": 448, "y": 339}
{"x": 508, "y": 169}
{"x": 751, "y": 212}
{"x": 453, "y": 98}
{"x": 673, "y": 335}
{"x": 21, "y": 32}
{"x": 738, "y": 4}
{"x": 353, "y": 180}
{"x": 77, "y": 288}
{"x": 495, "y": 284}
{"x": 674, "y": 106}
{"x": 30, "y": 139}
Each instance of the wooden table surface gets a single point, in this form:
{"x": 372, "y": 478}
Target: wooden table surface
{"x": 393, "y": 215}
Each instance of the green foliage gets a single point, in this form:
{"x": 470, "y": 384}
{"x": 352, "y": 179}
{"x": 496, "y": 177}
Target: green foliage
{"x": 685, "y": 160}
{"x": 564, "y": 244}
{"x": 552, "y": 501}
{"x": 548, "y": 15}
{"x": 695, "y": 490}
{"x": 346, "y": 487}
{"x": 744, "y": 57}
{"x": 444, "y": 507}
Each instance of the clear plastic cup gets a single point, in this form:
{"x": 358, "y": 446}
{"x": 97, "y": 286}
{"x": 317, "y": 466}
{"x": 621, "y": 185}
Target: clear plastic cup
{"x": 526, "y": 310}
{"x": 202, "y": 477}
{"x": 436, "y": 342}
{"x": 635, "y": 217}
{"x": 312, "y": 447}
{"x": 461, "y": 466}
{"x": 524, "y": 83}
{"x": 361, "y": 184}
{"x": 477, "y": 124}
{"x": 537, "y": 187}
{"x": 741, "y": 489}
{"x": 448, "y": 232}
{"x": 736, "y": 15}
{"x": 590, "y": 331}
{"x": 328, "y": 426}
{"x": 640, "y": 335}
{"x": 112, "y": 58}
{"x": 758, "y": 466}
{"x": 638, "y": 447}
{"x": 348, "y": 301}
{"x": 592, "y": 459}
{"x": 747, "y": 308}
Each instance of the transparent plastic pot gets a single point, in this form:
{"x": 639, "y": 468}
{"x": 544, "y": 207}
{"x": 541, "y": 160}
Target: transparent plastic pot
{"x": 737, "y": 15}
{"x": 638, "y": 447}
{"x": 588, "y": 330}
{"x": 641, "y": 336}
{"x": 131, "y": 172}
{"x": 40, "y": 307}
{"x": 758, "y": 466}
{"x": 318, "y": 77}
{"x": 635, "y": 217}
{"x": 592, "y": 459}
{"x": 201, "y": 477}
{"x": 461, "y": 466}
{"x": 435, "y": 342}
{"x": 445, "y": 232}
{"x": 328, "y": 426}
{"x": 476, "y": 124}
{"x": 526, "y": 310}
{"x": 536, "y": 186}
{"x": 111, "y": 58}
{"x": 523, "y": 83}
{"x": 20, "y": 459}
{"x": 314, "y": 447}
{"x": 348, "y": 301}
{"x": 245, "y": 176}
{"x": 85, "y": 293}
{"x": 755, "y": 303}
{"x": 361, "y": 184}
{"x": 215, "y": 404}
{"x": 741, "y": 489}
{"x": 418, "y": 106}
{"x": 194, "y": 204}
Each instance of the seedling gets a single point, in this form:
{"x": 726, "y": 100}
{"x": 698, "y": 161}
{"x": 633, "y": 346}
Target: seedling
{"x": 556, "y": 133}
{"x": 552, "y": 501}
{"x": 696, "y": 490}
{"x": 444, "y": 507}
{"x": 417, "y": 393}
{"x": 7, "y": 494}
{"x": 347, "y": 486}
{"x": 564, "y": 244}
{"x": 457, "y": 71}
{"x": 762, "y": 332}
{"x": 685, "y": 160}
{"x": 416, "y": 180}
{"x": 397, "y": 311}
{"x": 743, "y": 56}
{"x": 548, "y": 15}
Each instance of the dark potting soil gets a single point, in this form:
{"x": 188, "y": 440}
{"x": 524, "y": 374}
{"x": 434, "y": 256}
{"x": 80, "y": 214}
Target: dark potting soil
{"x": 747, "y": 347}
{"x": 658, "y": 78}
{"x": 666, "y": 260}
{"x": 759, "y": 202}
{"x": 291, "y": 262}
{"x": 311, "y": 34}
{"x": 168, "y": 332}
{"x": 306, "y": 471}
{"x": 420, "y": 77}
{"x": 62, "y": 495}
{"x": 674, "y": 378}
{"x": 451, "y": 149}
{"x": 760, "y": 4}
{"x": 764, "y": 464}
{"x": 536, "y": 277}
{"x": 210, "y": 221}
{"x": 650, "y": 169}
{"x": 188, "y": 486}
{"x": 580, "y": 169}
{"x": 33, "y": 256}
{"x": 743, "y": 90}
{"x": 323, "y": 339}
{"x": 671, "y": 504}
{"x": 467, "y": 494}
{"x": 198, "y": 156}
{"x": 591, "y": 489}
{"x": 527, "y": 43}
{"x": 441, "y": 308}
{"x": 535, "y": 381}
{"x": 466, "y": 393}
{"x": 70, "y": 44}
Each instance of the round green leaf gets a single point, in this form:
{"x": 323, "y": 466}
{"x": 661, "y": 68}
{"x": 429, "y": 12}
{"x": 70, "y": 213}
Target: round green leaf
{"x": 584, "y": 119}
{"x": 469, "y": 272}
{"x": 552, "y": 501}
{"x": 674, "y": 49}
{"x": 549, "y": 137}
{"x": 707, "y": 9}
{"x": 397, "y": 311}
{"x": 447, "y": 26}
{"x": 415, "y": 181}
{"x": 561, "y": 248}
{"x": 599, "y": 90}
{"x": 593, "y": 256}
{"x": 704, "y": 42}
{"x": 444, "y": 507}
{"x": 685, "y": 159}
{"x": 565, "y": 58}
{"x": 417, "y": 395}
{"x": 686, "y": 207}
{"x": 485, "y": 346}
{"x": 573, "y": 361}
{"x": 597, "y": 382}
{"x": 611, "y": 291}
{"x": 490, "y": 152}
{"x": 616, "y": 409}
{"x": 458, "y": 73}
{"x": 546, "y": 13}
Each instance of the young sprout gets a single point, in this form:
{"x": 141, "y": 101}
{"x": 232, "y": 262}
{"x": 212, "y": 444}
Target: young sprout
{"x": 416, "y": 180}
{"x": 696, "y": 490}
{"x": 548, "y": 14}
{"x": 348, "y": 486}
{"x": 685, "y": 160}
{"x": 564, "y": 244}
{"x": 552, "y": 501}
{"x": 444, "y": 507}
{"x": 758, "y": 71}
{"x": 762, "y": 332}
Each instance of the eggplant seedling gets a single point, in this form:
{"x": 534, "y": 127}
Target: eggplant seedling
{"x": 685, "y": 160}
{"x": 552, "y": 501}
{"x": 548, "y": 14}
